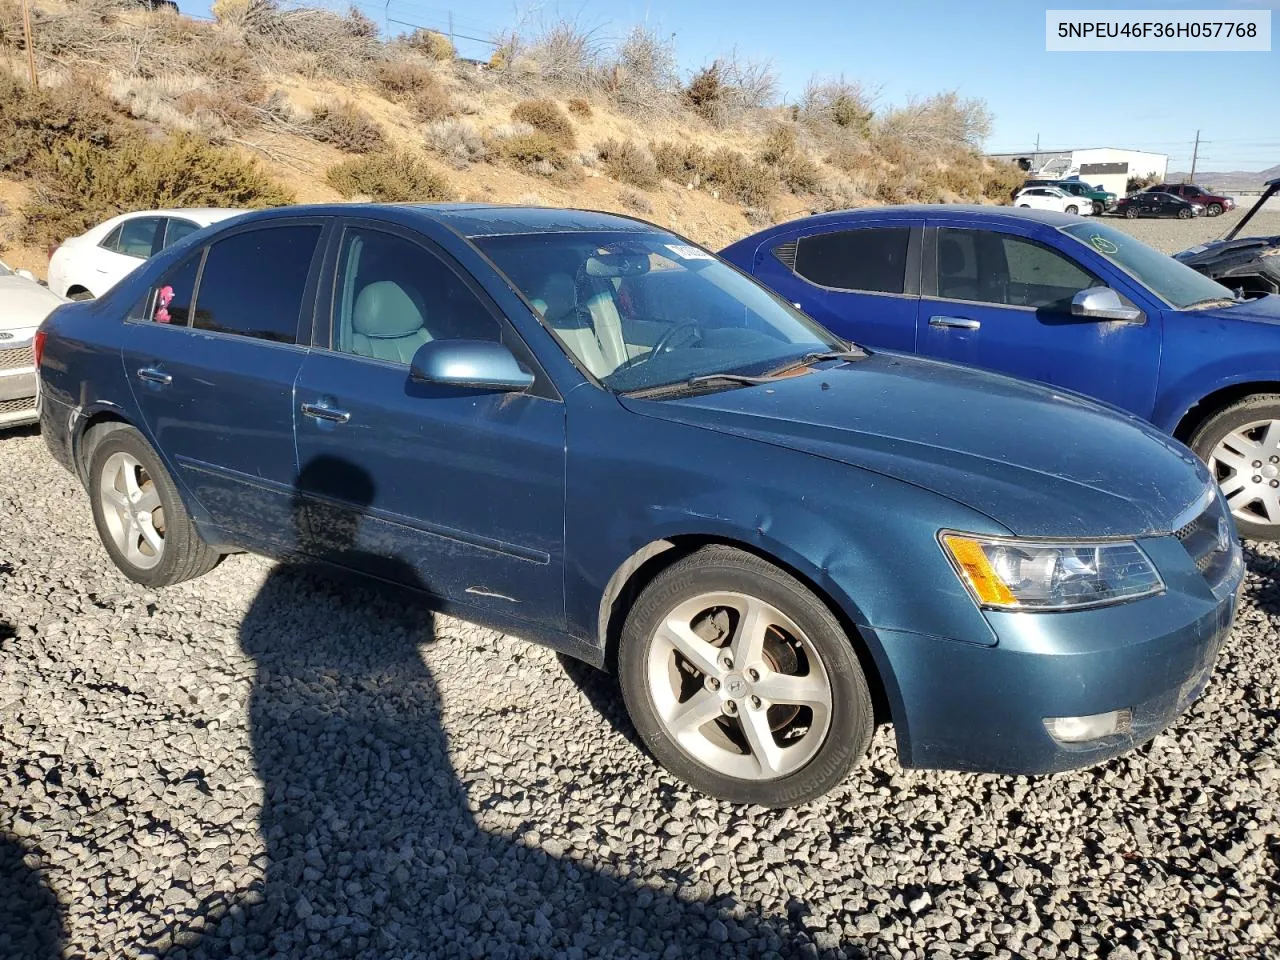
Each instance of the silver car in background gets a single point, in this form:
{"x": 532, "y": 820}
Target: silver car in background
{"x": 24, "y": 303}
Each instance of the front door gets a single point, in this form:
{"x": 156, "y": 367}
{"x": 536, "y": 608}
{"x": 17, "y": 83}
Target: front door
{"x": 861, "y": 283}
{"x": 1001, "y": 300}
{"x": 212, "y": 355}
{"x": 458, "y": 492}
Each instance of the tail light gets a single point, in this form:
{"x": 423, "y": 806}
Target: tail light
{"x": 52, "y": 248}
{"x": 37, "y": 345}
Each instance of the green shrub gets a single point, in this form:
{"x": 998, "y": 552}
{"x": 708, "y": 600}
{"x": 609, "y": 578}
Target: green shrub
{"x": 394, "y": 176}
{"x": 431, "y": 44}
{"x": 793, "y": 166}
{"x": 546, "y": 117}
{"x": 682, "y": 162}
{"x": 739, "y": 178}
{"x": 31, "y": 123}
{"x": 705, "y": 93}
{"x": 345, "y": 126}
{"x": 535, "y": 152}
{"x": 80, "y": 184}
{"x": 629, "y": 162}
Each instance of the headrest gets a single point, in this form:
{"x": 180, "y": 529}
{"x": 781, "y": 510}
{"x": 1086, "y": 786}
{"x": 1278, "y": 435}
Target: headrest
{"x": 384, "y": 310}
{"x": 560, "y": 296}
{"x": 950, "y": 256}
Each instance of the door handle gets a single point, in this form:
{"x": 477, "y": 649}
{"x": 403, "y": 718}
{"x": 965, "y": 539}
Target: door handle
{"x": 152, "y": 375}
{"x": 320, "y": 412}
{"x": 961, "y": 323}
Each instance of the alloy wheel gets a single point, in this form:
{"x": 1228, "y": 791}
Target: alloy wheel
{"x": 133, "y": 511}
{"x": 737, "y": 684}
{"x": 1246, "y": 464}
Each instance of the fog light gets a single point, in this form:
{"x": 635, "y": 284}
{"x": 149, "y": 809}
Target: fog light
{"x": 1092, "y": 727}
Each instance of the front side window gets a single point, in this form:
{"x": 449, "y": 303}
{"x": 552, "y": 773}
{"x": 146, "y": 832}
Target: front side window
{"x": 1002, "y": 269}
{"x": 253, "y": 282}
{"x": 644, "y": 309}
{"x": 138, "y": 237}
{"x": 872, "y": 260}
{"x": 178, "y": 229}
{"x": 393, "y": 296}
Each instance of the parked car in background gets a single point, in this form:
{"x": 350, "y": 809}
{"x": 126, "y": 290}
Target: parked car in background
{"x": 1213, "y": 203}
{"x": 24, "y": 303}
{"x": 1051, "y": 198}
{"x": 1100, "y": 200}
{"x": 1248, "y": 265}
{"x": 1146, "y": 204}
{"x": 587, "y": 431}
{"x": 1077, "y": 304}
{"x": 87, "y": 266}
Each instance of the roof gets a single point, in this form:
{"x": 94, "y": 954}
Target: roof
{"x": 487, "y": 219}
{"x": 938, "y": 211}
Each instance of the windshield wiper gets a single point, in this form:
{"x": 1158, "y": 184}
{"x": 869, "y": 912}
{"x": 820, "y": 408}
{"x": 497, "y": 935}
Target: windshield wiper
{"x": 854, "y": 353}
{"x": 1213, "y": 302}
{"x": 694, "y": 382}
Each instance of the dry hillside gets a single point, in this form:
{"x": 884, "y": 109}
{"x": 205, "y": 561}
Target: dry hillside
{"x": 272, "y": 104}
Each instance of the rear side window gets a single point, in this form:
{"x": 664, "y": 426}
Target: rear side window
{"x": 872, "y": 260}
{"x": 171, "y": 301}
{"x": 138, "y": 237}
{"x": 178, "y": 229}
{"x": 253, "y": 283}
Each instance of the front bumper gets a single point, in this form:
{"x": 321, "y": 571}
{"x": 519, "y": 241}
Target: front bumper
{"x": 964, "y": 706}
{"x": 19, "y": 385}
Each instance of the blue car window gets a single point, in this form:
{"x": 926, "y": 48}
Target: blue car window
{"x": 253, "y": 282}
{"x": 988, "y": 267}
{"x": 393, "y": 296}
{"x": 872, "y": 259}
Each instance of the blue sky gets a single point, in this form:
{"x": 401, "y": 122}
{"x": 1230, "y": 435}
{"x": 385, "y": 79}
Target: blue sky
{"x": 993, "y": 50}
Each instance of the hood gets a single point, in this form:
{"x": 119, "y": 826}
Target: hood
{"x": 1214, "y": 249}
{"x": 1038, "y": 461}
{"x": 1263, "y": 309}
{"x": 24, "y": 303}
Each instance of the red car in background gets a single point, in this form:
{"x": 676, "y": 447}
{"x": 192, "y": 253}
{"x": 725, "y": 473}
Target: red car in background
{"x": 1213, "y": 203}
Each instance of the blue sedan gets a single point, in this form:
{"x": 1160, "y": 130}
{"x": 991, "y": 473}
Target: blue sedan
{"x": 1071, "y": 302}
{"x": 590, "y": 432}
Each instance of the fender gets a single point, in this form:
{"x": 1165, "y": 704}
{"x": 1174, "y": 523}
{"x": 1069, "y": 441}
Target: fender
{"x": 1179, "y": 398}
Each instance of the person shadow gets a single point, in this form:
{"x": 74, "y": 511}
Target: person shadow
{"x": 31, "y": 924}
{"x": 372, "y": 850}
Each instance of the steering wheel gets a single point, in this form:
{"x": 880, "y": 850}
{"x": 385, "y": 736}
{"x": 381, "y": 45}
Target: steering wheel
{"x": 664, "y": 343}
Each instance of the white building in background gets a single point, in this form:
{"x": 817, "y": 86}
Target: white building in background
{"x": 1109, "y": 166}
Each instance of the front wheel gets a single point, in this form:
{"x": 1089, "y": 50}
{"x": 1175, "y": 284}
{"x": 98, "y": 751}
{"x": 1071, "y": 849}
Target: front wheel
{"x": 742, "y": 682}
{"x": 141, "y": 519}
{"x": 1025, "y": 206}
{"x": 1241, "y": 445}
{"x": 1184, "y": 214}
{"x": 1072, "y": 208}
{"x": 1098, "y": 209}
{"x": 1214, "y": 209}
{"x": 1131, "y": 213}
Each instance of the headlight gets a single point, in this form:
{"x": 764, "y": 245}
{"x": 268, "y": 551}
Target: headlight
{"x": 1009, "y": 574}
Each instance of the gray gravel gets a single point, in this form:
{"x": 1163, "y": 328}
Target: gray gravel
{"x": 1173, "y": 235}
{"x": 270, "y": 762}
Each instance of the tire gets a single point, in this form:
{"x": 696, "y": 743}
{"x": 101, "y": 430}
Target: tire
{"x": 80, "y": 295}
{"x": 1214, "y": 209}
{"x": 1072, "y": 208}
{"x": 1185, "y": 214}
{"x": 114, "y": 453}
{"x": 707, "y": 593}
{"x": 1025, "y": 206}
{"x": 1258, "y": 518}
{"x": 1131, "y": 213}
{"x": 1098, "y": 209}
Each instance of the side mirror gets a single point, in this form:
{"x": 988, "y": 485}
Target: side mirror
{"x": 1103, "y": 303}
{"x": 26, "y": 275}
{"x": 471, "y": 364}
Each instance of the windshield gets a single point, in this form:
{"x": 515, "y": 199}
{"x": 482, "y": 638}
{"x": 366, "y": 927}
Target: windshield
{"x": 1175, "y": 283}
{"x": 641, "y": 310}
{"x": 4, "y": 271}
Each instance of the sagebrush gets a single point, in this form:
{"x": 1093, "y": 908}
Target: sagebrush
{"x": 393, "y": 176}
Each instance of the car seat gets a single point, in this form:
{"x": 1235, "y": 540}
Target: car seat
{"x": 953, "y": 284}
{"x": 387, "y": 323}
{"x": 576, "y": 326}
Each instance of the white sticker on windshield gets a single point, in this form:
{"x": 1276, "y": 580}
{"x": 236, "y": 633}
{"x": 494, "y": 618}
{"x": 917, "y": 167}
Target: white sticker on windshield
{"x": 686, "y": 252}
{"x": 1103, "y": 245}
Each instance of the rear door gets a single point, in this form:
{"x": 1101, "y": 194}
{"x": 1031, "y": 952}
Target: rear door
{"x": 1001, "y": 299}
{"x": 212, "y": 354}
{"x": 458, "y": 492}
{"x": 122, "y": 250}
{"x": 861, "y": 281}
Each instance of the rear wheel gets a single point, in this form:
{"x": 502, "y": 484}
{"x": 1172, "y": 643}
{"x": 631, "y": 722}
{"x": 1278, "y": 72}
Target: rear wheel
{"x": 140, "y": 517}
{"x": 1213, "y": 209}
{"x": 79, "y": 293}
{"x": 1025, "y": 206}
{"x": 1241, "y": 445}
{"x": 1131, "y": 213}
{"x": 742, "y": 682}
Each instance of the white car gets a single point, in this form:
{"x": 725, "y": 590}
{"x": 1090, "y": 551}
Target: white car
{"x": 86, "y": 266}
{"x": 1051, "y": 198}
{"x": 24, "y": 302}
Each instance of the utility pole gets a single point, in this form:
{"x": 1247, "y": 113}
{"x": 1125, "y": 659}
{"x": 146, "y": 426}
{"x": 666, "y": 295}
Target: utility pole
{"x": 452, "y": 43}
{"x": 1195, "y": 152}
{"x": 1037, "y": 143}
{"x": 26, "y": 39}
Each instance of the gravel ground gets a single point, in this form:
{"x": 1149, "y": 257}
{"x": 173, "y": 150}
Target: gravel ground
{"x": 270, "y": 762}
{"x": 1173, "y": 235}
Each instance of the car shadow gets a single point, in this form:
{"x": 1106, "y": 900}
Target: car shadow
{"x": 371, "y": 846}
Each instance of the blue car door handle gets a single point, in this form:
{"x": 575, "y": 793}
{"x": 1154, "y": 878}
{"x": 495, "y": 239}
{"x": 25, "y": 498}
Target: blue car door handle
{"x": 962, "y": 323}
{"x": 321, "y": 412}
{"x": 152, "y": 375}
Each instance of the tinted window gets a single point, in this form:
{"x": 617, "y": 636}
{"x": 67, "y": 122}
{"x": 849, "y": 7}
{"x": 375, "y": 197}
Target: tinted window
{"x": 393, "y": 296}
{"x": 171, "y": 299}
{"x": 112, "y": 240}
{"x": 874, "y": 260}
{"x": 1003, "y": 269}
{"x": 138, "y": 237}
{"x": 253, "y": 283}
{"x": 179, "y": 229}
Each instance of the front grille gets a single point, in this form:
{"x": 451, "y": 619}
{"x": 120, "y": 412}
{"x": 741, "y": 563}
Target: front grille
{"x": 1208, "y": 540}
{"x": 14, "y": 406}
{"x": 14, "y": 358}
